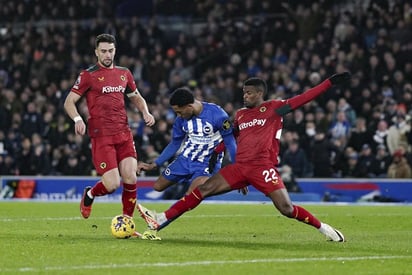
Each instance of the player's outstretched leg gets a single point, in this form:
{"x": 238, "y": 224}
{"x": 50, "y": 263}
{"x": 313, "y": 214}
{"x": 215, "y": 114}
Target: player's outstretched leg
{"x": 151, "y": 217}
{"x": 331, "y": 233}
{"x": 86, "y": 203}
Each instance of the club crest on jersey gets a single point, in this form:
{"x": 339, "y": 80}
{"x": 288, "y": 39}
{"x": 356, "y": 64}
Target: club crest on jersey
{"x": 123, "y": 78}
{"x": 262, "y": 109}
{"x": 100, "y": 78}
{"x": 103, "y": 165}
{"x": 226, "y": 124}
{"x": 208, "y": 128}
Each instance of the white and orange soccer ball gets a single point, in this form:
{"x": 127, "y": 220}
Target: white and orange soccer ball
{"x": 122, "y": 227}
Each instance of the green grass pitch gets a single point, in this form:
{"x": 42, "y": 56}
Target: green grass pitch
{"x": 52, "y": 238}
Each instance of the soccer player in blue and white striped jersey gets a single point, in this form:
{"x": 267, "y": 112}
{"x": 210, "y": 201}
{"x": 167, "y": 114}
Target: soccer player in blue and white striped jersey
{"x": 199, "y": 127}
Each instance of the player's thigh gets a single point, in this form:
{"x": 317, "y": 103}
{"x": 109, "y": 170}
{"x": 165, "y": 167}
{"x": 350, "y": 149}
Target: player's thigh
{"x": 103, "y": 154}
{"x": 128, "y": 167}
{"x": 124, "y": 145}
{"x": 215, "y": 185}
{"x": 196, "y": 182}
{"x": 235, "y": 175}
{"x": 111, "y": 179}
{"x": 162, "y": 183}
{"x": 177, "y": 171}
{"x": 265, "y": 178}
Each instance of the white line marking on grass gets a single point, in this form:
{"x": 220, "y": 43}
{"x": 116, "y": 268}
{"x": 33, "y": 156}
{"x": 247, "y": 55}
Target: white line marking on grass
{"x": 188, "y": 216}
{"x": 199, "y": 263}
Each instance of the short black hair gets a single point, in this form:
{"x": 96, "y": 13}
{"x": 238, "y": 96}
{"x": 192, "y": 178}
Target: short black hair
{"x": 181, "y": 97}
{"x": 104, "y": 37}
{"x": 258, "y": 83}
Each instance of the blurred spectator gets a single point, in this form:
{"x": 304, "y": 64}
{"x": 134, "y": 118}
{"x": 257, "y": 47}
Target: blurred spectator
{"x": 72, "y": 167}
{"x": 7, "y": 165}
{"x": 321, "y": 120}
{"x": 32, "y": 121}
{"x": 40, "y": 160}
{"x": 351, "y": 167}
{"x": 297, "y": 124}
{"x": 24, "y": 160}
{"x": 340, "y": 129}
{"x": 323, "y": 156}
{"x": 161, "y": 136}
{"x": 359, "y": 134}
{"x": 296, "y": 159}
{"x": 380, "y": 135}
{"x": 398, "y": 132}
{"x": 399, "y": 168}
{"x": 365, "y": 160}
{"x": 344, "y": 106}
{"x": 381, "y": 162}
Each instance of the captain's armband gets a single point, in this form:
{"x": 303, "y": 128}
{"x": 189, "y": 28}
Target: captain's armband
{"x": 134, "y": 93}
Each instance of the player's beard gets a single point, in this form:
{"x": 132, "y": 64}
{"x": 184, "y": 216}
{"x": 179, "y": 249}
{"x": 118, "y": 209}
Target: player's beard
{"x": 107, "y": 63}
{"x": 247, "y": 104}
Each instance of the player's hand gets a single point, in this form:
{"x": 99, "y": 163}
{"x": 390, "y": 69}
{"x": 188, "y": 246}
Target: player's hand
{"x": 80, "y": 128}
{"x": 149, "y": 119}
{"x": 145, "y": 166}
{"x": 244, "y": 190}
{"x": 341, "y": 78}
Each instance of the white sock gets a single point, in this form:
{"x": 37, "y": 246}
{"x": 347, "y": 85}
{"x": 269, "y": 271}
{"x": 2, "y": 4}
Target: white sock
{"x": 161, "y": 218}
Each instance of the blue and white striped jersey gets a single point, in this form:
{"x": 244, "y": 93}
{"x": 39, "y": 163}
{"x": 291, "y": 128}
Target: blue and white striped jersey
{"x": 202, "y": 133}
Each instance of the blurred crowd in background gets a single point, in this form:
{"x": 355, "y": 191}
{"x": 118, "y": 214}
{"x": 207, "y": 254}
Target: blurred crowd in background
{"x": 212, "y": 46}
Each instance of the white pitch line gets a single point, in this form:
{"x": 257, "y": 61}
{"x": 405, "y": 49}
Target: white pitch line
{"x": 200, "y": 263}
{"x": 189, "y": 216}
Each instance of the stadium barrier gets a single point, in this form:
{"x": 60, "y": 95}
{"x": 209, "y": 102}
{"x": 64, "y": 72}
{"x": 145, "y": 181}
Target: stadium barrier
{"x": 50, "y": 188}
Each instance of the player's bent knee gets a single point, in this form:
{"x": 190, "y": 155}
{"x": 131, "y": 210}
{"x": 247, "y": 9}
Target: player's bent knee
{"x": 158, "y": 187}
{"x": 286, "y": 210}
{"x": 111, "y": 187}
{"x": 129, "y": 179}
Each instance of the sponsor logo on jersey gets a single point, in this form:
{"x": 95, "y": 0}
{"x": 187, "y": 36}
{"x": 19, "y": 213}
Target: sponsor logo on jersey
{"x": 167, "y": 171}
{"x": 254, "y": 122}
{"x": 111, "y": 89}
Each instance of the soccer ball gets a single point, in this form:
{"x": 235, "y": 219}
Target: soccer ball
{"x": 122, "y": 227}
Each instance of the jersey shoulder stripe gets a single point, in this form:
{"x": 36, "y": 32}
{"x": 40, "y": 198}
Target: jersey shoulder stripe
{"x": 121, "y": 68}
{"x": 92, "y": 69}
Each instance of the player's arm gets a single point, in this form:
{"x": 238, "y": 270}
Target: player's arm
{"x": 168, "y": 152}
{"x": 137, "y": 99}
{"x": 230, "y": 144}
{"x": 71, "y": 110}
{"x": 226, "y": 131}
{"x": 299, "y": 100}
